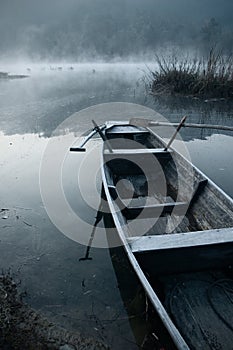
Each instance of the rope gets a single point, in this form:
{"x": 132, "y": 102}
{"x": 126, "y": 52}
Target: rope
{"x": 226, "y": 290}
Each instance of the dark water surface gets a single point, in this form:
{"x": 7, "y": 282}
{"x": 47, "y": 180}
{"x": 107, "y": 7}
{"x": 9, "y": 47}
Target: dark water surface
{"x": 81, "y": 295}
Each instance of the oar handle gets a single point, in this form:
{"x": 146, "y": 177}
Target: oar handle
{"x": 87, "y": 138}
{"x": 77, "y": 149}
{"x": 175, "y": 133}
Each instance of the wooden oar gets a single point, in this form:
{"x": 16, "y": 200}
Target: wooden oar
{"x": 99, "y": 216}
{"x": 148, "y": 122}
{"x": 87, "y": 138}
{"x": 175, "y": 133}
{"x": 102, "y": 135}
{"x": 81, "y": 148}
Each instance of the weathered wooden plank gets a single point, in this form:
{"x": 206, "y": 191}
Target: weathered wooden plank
{"x": 154, "y": 211}
{"x": 180, "y": 240}
{"x": 136, "y": 151}
{"x": 146, "y": 122}
{"x": 126, "y": 129}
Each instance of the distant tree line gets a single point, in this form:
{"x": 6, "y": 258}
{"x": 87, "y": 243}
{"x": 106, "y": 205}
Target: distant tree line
{"x": 121, "y": 28}
{"x": 108, "y": 38}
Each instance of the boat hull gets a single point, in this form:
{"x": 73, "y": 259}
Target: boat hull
{"x": 161, "y": 261}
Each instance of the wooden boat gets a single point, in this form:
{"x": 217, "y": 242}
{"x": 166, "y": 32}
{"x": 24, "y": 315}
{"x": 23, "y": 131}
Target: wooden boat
{"x": 176, "y": 227}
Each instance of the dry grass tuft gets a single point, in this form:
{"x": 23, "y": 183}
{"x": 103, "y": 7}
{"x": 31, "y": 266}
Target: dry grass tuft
{"x": 210, "y": 77}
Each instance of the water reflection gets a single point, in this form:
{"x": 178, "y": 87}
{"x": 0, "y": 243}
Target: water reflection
{"x": 80, "y": 295}
{"x": 43, "y": 101}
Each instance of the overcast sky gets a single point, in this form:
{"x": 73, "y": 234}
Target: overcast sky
{"x": 23, "y": 23}
{"x": 44, "y": 10}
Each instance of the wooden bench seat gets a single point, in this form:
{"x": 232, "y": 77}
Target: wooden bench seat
{"x": 147, "y": 211}
{"x": 130, "y": 151}
{"x": 157, "y": 210}
{"x": 122, "y": 129}
{"x": 180, "y": 240}
{"x": 133, "y": 154}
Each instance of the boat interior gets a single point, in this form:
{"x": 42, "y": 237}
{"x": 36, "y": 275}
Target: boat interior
{"x": 159, "y": 195}
{"x": 150, "y": 182}
{"x": 187, "y": 251}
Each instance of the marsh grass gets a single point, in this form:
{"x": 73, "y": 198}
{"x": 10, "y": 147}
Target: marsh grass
{"x": 202, "y": 77}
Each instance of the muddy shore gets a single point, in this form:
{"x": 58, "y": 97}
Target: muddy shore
{"x": 21, "y": 327}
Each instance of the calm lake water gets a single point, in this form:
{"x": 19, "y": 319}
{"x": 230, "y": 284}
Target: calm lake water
{"x": 81, "y": 295}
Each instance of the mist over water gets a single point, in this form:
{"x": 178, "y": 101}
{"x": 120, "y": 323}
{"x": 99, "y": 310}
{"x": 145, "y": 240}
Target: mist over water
{"x": 50, "y": 95}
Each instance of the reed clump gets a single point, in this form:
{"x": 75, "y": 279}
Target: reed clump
{"x": 202, "y": 77}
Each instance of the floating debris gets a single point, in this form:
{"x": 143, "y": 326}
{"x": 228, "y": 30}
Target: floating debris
{"x": 26, "y": 223}
{"x": 5, "y": 216}
{"x": 87, "y": 292}
{"x": 4, "y": 209}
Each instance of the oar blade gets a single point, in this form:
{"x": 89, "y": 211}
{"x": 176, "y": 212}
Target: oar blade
{"x": 77, "y": 149}
{"x": 140, "y": 122}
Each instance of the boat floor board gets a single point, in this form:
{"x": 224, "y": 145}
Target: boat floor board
{"x": 201, "y": 305}
{"x": 147, "y": 226}
{"x": 180, "y": 240}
